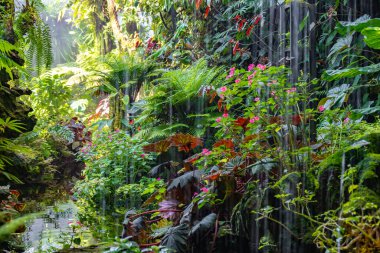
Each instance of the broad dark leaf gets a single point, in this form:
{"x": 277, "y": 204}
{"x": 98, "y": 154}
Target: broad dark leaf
{"x": 182, "y": 181}
{"x": 227, "y": 143}
{"x": 138, "y": 223}
{"x": 204, "y": 225}
{"x": 187, "y": 214}
{"x": 157, "y": 170}
{"x": 176, "y": 238}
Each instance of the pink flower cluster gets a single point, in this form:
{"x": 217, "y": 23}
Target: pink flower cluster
{"x": 219, "y": 119}
{"x": 254, "y": 119}
{"x": 206, "y": 152}
{"x": 252, "y": 75}
{"x": 261, "y": 66}
{"x": 321, "y": 108}
{"x": 204, "y": 189}
{"x": 291, "y": 90}
{"x": 232, "y": 73}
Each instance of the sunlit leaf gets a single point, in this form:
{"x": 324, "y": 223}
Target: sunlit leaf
{"x": 372, "y": 37}
{"x": 358, "y": 25}
{"x": 331, "y": 75}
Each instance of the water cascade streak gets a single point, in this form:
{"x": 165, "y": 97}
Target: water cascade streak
{"x": 341, "y": 199}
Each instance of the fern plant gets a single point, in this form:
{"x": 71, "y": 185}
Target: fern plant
{"x": 7, "y": 147}
{"x": 6, "y": 62}
{"x": 34, "y": 36}
{"x": 168, "y": 108}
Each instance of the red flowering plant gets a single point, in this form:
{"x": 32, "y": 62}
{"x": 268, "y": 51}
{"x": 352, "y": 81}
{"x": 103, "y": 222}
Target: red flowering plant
{"x": 245, "y": 26}
{"x": 11, "y": 203}
{"x": 10, "y": 207}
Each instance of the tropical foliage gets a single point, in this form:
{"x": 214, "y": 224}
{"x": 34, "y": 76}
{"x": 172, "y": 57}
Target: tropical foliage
{"x": 192, "y": 126}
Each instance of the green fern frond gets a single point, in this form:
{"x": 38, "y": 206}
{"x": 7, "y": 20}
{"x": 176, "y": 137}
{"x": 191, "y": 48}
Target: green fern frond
{"x": 38, "y": 47}
{"x": 6, "y": 50}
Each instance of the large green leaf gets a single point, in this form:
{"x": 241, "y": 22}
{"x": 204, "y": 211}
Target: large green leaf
{"x": 331, "y": 75}
{"x": 372, "y": 37}
{"x": 367, "y": 109}
{"x": 176, "y": 238}
{"x": 358, "y": 25}
{"x": 337, "y": 96}
{"x": 266, "y": 164}
{"x": 340, "y": 44}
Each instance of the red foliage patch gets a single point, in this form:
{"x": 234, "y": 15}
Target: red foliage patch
{"x": 226, "y": 143}
{"x": 159, "y": 147}
{"x": 185, "y": 142}
{"x": 198, "y": 4}
{"x": 243, "y": 122}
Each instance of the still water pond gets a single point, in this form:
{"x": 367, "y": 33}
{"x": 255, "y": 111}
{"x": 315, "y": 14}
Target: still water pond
{"x": 56, "y": 228}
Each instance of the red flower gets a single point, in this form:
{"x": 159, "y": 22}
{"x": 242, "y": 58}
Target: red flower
{"x": 237, "y": 18}
{"x": 248, "y": 32}
{"x": 257, "y": 20}
{"x": 241, "y": 24}
{"x": 15, "y": 193}
{"x": 236, "y": 48}
{"x": 207, "y": 11}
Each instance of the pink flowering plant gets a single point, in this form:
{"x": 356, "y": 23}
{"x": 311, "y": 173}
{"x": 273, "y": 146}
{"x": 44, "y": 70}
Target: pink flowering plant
{"x": 206, "y": 197}
{"x": 255, "y": 114}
